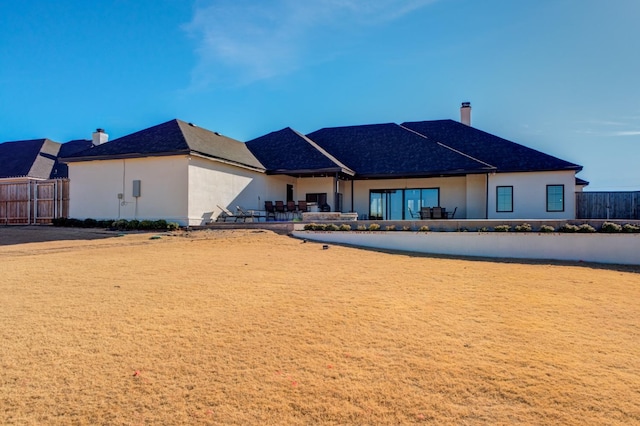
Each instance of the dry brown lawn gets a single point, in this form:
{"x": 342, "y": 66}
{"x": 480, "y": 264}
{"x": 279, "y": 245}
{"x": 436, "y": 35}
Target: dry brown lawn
{"x": 251, "y": 327}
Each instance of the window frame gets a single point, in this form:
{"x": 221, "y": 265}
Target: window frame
{"x": 562, "y": 198}
{"x": 498, "y": 188}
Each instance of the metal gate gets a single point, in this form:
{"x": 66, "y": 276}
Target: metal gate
{"x": 32, "y": 202}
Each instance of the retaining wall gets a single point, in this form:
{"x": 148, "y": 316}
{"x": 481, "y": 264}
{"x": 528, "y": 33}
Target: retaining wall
{"x": 600, "y": 248}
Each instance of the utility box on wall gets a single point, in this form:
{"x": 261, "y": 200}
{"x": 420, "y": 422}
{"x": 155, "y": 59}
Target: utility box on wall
{"x": 136, "y": 189}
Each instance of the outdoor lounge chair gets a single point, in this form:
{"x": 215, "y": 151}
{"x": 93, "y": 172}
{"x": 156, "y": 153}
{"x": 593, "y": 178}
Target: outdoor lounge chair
{"x": 225, "y": 214}
{"x": 414, "y": 215}
{"x": 248, "y": 214}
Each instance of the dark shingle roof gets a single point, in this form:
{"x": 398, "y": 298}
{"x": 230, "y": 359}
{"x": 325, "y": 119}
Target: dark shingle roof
{"x": 289, "y": 152}
{"x": 380, "y": 150}
{"x": 171, "y": 138}
{"x": 60, "y": 169}
{"x": 31, "y": 158}
{"x": 507, "y": 156}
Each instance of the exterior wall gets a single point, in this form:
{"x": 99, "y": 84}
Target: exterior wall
{"x": 452, "y": 191}
{"x": 530, "y": 194}
{"x": 95, "y": 185}
{"x": 476, "y": 197}
{"x": 213, "y": 184}
{"x": 319, "y": 185}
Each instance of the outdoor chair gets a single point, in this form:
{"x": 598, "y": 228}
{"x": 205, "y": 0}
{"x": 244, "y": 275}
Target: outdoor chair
{"x": 280, "y": 210}
{"x": 414, "y": 215}
{"x": 437, "y": 213}
{"x": 270, "y": 210}
{"x": 425, "y": 213}
{"x": 225, "y": 214}
{"x": 248, "y": 214}
{"x": 451, "y": 215}
{"x": 302, "y": 206}
{"x": 291, "y": 208}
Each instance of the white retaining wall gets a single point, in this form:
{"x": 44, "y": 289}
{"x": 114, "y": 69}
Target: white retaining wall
{"x": 601, "y": 248}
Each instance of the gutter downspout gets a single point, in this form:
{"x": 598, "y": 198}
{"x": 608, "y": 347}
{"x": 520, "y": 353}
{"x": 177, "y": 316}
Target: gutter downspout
{"x": 486, "y": 198}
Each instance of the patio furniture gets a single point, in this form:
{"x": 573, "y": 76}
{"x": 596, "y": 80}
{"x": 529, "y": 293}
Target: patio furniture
{"x": 248, "y": 214}
{"x": 302, "y": 206}
{"x": 291, "y": 209}
{"x": 280, "y": 210}
{"x": 225, "y": 214}
{"x": 450, "y": 215}
{"x": 437, "y": 213}
{"x": 270, "y": 209}
{"x": 425, "y": 213}
{"x": 414, "y": 215}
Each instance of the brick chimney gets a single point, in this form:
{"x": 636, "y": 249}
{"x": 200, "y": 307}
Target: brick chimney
{"x": 99, "y": 137}
{"x": 465, "y": 113}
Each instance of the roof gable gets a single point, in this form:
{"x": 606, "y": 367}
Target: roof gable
{"x": 505, "y": 155}
{"x": 380, "y": 150}
{"x": 30, "y": 158}
{"x": 289, "y": 152}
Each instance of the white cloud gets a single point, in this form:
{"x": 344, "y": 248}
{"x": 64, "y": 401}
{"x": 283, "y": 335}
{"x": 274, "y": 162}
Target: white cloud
{"x": 244, "y": 41}
{"x": 627, "y": 133}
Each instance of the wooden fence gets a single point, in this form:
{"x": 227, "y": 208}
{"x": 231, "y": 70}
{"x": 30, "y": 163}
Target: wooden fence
{"x": 31, "y": 202}
{"x": 608, "y": 205}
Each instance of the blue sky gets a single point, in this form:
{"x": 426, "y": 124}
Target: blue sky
{"x": 560, "y": 76}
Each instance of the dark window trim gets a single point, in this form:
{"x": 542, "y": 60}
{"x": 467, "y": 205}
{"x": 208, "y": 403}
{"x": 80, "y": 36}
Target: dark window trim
{"x": 555, "y": 211}
{"x": 498, "y": 199}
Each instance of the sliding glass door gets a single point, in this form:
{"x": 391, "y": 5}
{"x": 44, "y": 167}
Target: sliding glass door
{"x": 399, "y": 204}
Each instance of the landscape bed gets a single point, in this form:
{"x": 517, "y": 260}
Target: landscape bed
{"x": 250, "y": 327}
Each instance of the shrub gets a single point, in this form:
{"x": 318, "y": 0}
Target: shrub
{"x": 145, "y": 224}
{"x": 120, "y": 224}
{"x": 160, "y": 224}
{"x": 133, "y": 225}
{"x": 89, "y": 223}
{"x": 345, "y": 227}
{"x": 374, "y": 227}
{"x": 630, "y": 228}
{"x": 502, "y": 228}
{"x": 331, "y": 227}
{"x": 390, "y": 228}
{"x": 483, "y": 229}
{"x": 362, "y": 227}
{"x": 406, "y": 228}
{"x": 59, "y": 221}
{"x": 424, "y": 228}
{"x": 173, "y": 226}
{"x": 585, "y": 228}
{"x": 547, "y": 229}
{"x": 610, "y": 228}
{"x": 567, "y": 228}
{"x": 309, "y": 226}
{"x": 525, "y": 227}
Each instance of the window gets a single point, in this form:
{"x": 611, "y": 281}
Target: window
{"x": 504, "y": 198}
{"x": 399, "y": 204}
{"x": 555, "y": 198}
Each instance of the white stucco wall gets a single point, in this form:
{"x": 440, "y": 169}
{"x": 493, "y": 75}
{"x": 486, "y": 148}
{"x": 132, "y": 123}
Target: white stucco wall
{"x": 94, "y": 187}
{"x": 530, "y": 194}
{"x": 213, "y": 184}
{"x": 476, "y": 197}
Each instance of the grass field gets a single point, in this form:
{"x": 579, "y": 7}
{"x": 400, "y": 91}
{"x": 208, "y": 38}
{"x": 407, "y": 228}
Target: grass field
{"x": 251, "y": 327}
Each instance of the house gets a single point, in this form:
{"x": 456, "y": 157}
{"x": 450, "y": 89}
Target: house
{"x": 175, "y": 171}
{"x": 181, "y": 172}
{"x": 33, "y": 185}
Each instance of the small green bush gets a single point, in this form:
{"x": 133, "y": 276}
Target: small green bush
{"x": 502, "y": 228}
{"x": 345, "y": 227}
{"x": 568, "y": 228}
{"x": 630, "y": 228}
{"x": 610, "y": 228}
{"x": 173, "y": 226}
{"x": 547, "y": 229}
{"x": 390, "y": 228}
{"x": 309, "y": 226}
{"x": 424, "y": 228}
{"x": 483, "y": 229}
{"x": 146, "y": 224}
{"x": 89, "y": 223}
{"x": 362, "y": 227}
{"x": 585, "y": 228}
{"x": 525, "y": 227}
{"x": 133, "y": 225}
{"x": 160, "y": 224}
{"x": 59, "y": 221}
{"x": 374, "y": 227}
{"x": 406, "y": 228}
{"x": 120, "y": 224}
{"x": 331, "y": 227}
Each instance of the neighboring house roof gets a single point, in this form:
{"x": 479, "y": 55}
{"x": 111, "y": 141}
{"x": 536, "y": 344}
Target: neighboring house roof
{"x": 60, "y": 169}
{"x": 290, "y": 152}
{"x": 30, "y": 158}
{"x": 389, "y": 150}
{"x": 581, "y": 182}
{"x": 505, "y": 155}
{"x": 172, "y": 138}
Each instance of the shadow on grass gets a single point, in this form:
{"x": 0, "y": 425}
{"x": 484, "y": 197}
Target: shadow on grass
{"x": 17, "y": 234}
